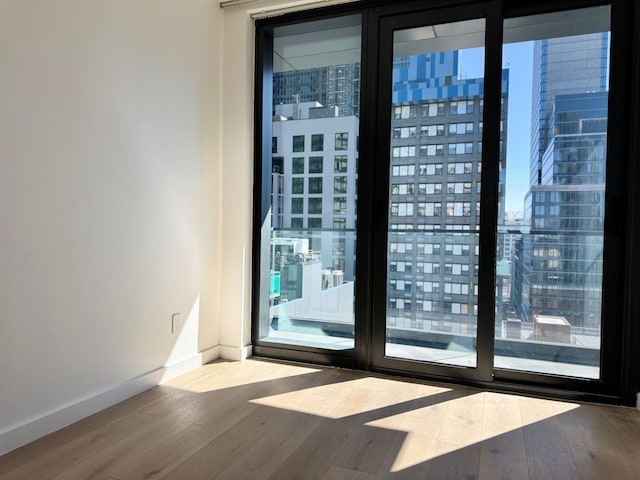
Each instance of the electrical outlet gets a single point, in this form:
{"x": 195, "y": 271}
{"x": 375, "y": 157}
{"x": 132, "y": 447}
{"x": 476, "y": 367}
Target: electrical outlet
{"x": 176, "y": 322}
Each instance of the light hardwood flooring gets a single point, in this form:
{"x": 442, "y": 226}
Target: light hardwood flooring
{"x": 267, "y": 420}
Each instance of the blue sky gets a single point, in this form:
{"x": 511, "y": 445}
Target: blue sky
{"x": 518, "y": 58}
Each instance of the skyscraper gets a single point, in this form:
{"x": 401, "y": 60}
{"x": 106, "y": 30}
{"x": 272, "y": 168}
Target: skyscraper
{"x": 561, "y": 66}
{"x": 335, "y": 85}
{"x": 561, "y": 259}
{"x": 436, "y": 165}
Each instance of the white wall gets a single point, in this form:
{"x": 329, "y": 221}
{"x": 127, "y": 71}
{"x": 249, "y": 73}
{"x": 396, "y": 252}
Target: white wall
{"x": 110, "y": 202}
{"x": 237, "y": 71}
{"x": 238, "y": 80}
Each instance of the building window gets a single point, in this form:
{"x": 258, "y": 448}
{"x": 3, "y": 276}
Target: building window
{"x": 429, "y": 209}
{"x": 428, "y": 267}
{"x": 401, "y": 209}
{"x": 459, "y": 168}
{"x": 298, "y": 143}
{"x": 430, "y": 306}
{"x": 460, "y": 128}
{"x": 401, "y": 267}
{"x": 340, "y": 205}
{"x": 315, "y": 185}
{"x": 402, "y": 189}
{"x": 317, "y": 142}
{"x": 404, "y": 132}
{"x": 460, "y": 148}
{"x": 432, "y": 130}
{"x": 315, "y": 164}
{"x": 297, "y": 165}
{"x": 297, "y": 185}
{"x": 315, "y": 205}
{"x": 395, "y": 247}
{"x": 315, "y": 223}
{"x": 433, "y": 109}
{"x": 458, "y": 209}
{"x": 403, "y": 152}
{"x": 340, "y": 164}
{"x": 456, "y": 249}
{"x": 429, "y": 188}
{"x": 342, "y": 141}
{"x": 459, "y": 187}
{"x": 428, "y": 287}
{"x": 428, "y": 248}
{"x": 431, "y": 150}
{"x": 400, "y": 285}
{"x": 433, "y": 208}
{"x": 430, "y": 169}
{"x": 400, "y": 303}
{"x": 297, "y": 205}
{"x": 340, "y": 185}
{"x": 404, "y": 111}
{"x": 456, "y": 288}
{"x": 459, "y": 308}
{"x": 461, "y": 108}
{"x": 403, "y": 170}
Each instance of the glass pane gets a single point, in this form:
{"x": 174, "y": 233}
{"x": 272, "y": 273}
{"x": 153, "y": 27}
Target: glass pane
{"x": 316, "y": 86}
{"x": 434, "y": 193}
{"x": 550, "y": 230}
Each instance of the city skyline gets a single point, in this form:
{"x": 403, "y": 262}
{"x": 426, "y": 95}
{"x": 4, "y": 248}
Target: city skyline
{"x": 434, "y": 192}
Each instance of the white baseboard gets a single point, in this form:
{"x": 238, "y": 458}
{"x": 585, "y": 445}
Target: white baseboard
{"x": 210, "y": 355}
{"x": 638, "y": 401}
{"x": 31, "y": 430}
{"x": 183, "y": 366}
{"x": 235, "y": 353}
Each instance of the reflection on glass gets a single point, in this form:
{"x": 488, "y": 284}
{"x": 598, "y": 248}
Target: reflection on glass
{"x": 434, "y": 193}
{"x": 313, "y": 184}
{"x": 549, "y": 269}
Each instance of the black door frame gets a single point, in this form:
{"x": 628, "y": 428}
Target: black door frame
{"x": 621, "y": 338}
{"x": 490, "y": 12}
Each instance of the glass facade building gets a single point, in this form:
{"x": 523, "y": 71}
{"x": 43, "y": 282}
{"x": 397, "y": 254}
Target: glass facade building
{"x": 334, "y": 85}
{"x": 562, "y": 255}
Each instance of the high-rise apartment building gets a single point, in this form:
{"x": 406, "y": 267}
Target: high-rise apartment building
{"x": 314, "y": 179}
{"x": 436, "y": 165}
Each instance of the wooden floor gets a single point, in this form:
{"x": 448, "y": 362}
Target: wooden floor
{"x": 258, "y": 420}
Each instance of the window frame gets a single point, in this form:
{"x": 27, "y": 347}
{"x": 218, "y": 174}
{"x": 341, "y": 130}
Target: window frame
{"x": 622, "y": 217}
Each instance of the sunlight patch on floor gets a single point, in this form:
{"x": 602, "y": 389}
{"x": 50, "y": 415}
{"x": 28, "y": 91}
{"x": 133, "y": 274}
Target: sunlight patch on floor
{"x": 222, "y": 374}
{"x": 348, "y": 398}
{"x": 461, "y": 422}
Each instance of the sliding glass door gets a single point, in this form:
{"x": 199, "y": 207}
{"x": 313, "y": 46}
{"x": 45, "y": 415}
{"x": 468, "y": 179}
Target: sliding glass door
{"x": 549, "y": 272}
{"x": 479, "y": 193}
{"x": 433, "y": 84}
{"x": 434, "y": 193}
{"x": 308, "y": 229}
